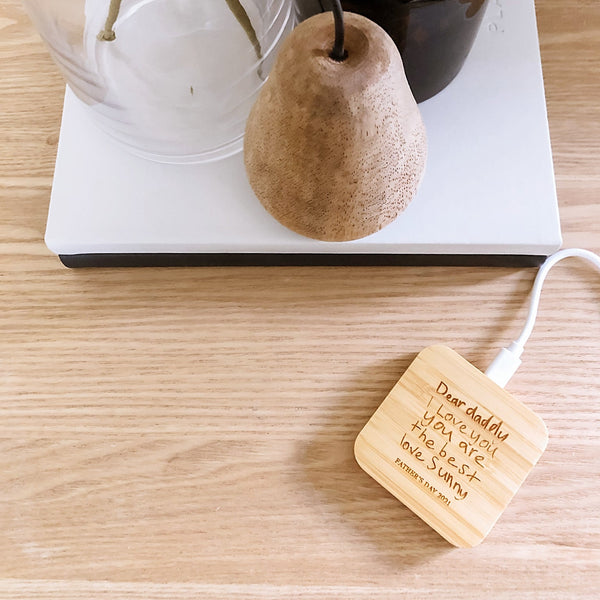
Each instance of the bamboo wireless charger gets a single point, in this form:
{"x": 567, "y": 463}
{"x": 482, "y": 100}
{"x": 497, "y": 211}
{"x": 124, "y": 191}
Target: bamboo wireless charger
{"x": 450, "y": 443}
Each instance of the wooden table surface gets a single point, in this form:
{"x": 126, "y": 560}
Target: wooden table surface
{"x": 188, "y": 433}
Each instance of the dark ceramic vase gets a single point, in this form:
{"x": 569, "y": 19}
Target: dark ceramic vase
{"x": 434, "y": 36}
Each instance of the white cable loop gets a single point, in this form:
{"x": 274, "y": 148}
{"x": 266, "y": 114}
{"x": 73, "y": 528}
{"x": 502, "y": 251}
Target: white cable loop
{"x": 508, "y": 360}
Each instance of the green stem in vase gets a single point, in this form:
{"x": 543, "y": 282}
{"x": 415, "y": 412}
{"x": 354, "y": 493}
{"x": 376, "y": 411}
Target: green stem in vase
{"x": 108, "y": 33}
{"x": 236, "y": 7}
{"x": 244, "y": 20}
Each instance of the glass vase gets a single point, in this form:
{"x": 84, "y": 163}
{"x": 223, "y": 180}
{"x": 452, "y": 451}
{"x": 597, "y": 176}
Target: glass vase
{"x": 172, "y": 80}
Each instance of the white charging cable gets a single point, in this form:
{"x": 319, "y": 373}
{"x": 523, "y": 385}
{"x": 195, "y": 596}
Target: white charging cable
{"x": 508, "y": 360}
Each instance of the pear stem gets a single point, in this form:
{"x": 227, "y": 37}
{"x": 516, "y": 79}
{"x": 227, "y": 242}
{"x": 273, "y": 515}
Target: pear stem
{"x": 338, "y": 53}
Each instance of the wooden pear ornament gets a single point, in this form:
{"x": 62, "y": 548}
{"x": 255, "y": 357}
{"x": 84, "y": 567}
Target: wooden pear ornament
{"x": 335, "y": 150}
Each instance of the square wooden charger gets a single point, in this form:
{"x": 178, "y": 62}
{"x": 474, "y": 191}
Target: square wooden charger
{"x": 452, "y": 445}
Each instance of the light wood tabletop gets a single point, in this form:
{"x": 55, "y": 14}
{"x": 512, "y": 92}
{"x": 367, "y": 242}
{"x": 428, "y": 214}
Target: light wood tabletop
{"x": 188, "y": 433}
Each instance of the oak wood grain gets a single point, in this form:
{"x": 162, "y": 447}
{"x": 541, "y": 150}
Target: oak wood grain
{"x": 188, "y": 433}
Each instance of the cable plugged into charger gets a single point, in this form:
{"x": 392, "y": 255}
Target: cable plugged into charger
{"x": 505, "y": 365}
{"x": 432, "y": 439}
{"x": 508, "y": 360}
